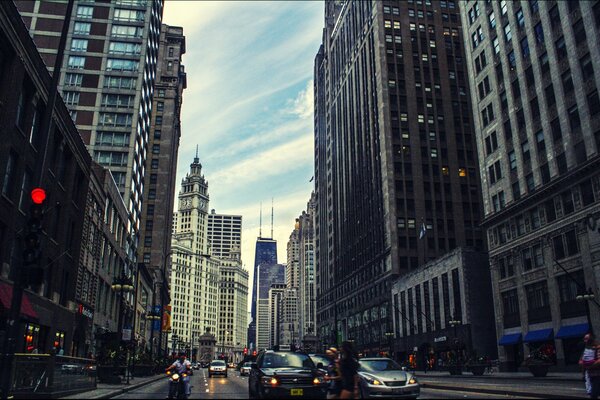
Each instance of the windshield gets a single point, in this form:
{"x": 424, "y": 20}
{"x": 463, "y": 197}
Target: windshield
{"x": 217, "y": 363}
{"x": 320, "y": 359}
{"x": 247, "y": 364}
{"x": 379, "y": 365}
{"x": 287, "y": 360}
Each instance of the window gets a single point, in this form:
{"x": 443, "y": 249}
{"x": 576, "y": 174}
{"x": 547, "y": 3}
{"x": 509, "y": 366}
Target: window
{"x": 537, "y": 296}
{"x": 544, "y": 63}
{"x": 496, "y": 45}
{"x": 76, "y": 62}
{"x": 516, "y": 191}
{"x": 503, "y": 7}
{"x": 554, "y": 17}
{"x": 71, "y": 98}
{"x": 539, "y": 33}
{"x": 82, "y": 28}
{"x": 115, "y": 119}
{"x": 506, "y": 267}
{"x": 9, "y": 175}
{"x": 85, "y": 12}
{"x": 550, "y": 98}
{"x": 73, "y": 79}
{"x": 587, "y": 69}
{"x": 527, "y": 259}
{"x": 492, "y": 19}
{"x": 120, "y": 82}
{"x": 124, "y": 48}
{"x": 574, "y": 120}
{"x": 567, "y": 82}
{"x": 520, "y": 18}
{"x": 128, "y": 15}
{"x": 491, "y": 143}
{"x": 579, "y": 32}
{"x": 567, "y": 202}
{"x": 525, "y": 48}
{"x": 534, "y": 6}
{"x": 113, "y": 64}
{"x": 510, "y": 307}
{"x": 484, "y": 88}
{"x": 495, "y": 172}
{"x": 118, "y": 100}
{"x": 593, "y": 103}
{"x": 561, "y": 48}
{"x": 115, "y": 139}
{"x": 512, "y": 60}
{"x": 541, "y": 144}
{"x": 525, "y": 152}
{"x": 512, "y": 159}
{"x": 112, "y": 158}
{"x": 480, "y": 62}
{"x": 160, "y": 106}
{"x": 530, "y": 182}
{"x": 567, "y": 285}
{"x": 487, "y": 115}
{"x": 79, "y": 45}
{"x": 507, "y": 33}
{"x": 126, "y": 31}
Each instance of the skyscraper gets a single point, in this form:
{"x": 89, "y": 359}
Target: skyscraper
{"x": 194, "y": 278}
{"x": 224, "y": 233}
{"x": 396, "y": 171}
{"x": 107, "y": 82}
{"x": 265, "y": 254}
{"x": 534, "y": 70}
{"x": 267, "y": 275}
{"x": 306, "y": 261}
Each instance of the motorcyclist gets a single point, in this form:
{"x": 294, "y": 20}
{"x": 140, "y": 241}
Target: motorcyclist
{"x": 181, "y": 366}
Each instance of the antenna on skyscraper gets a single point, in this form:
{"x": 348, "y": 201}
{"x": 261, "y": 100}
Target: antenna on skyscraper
{"x": 196, "y": 159}
{"x": 260, "y": 229}
{"x": 271, "y": 218}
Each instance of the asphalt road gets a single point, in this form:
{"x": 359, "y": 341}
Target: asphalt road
{"x": 236, "y": 387}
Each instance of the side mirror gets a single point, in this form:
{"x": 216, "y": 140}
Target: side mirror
{"x": 319, "y": 365}
{"x": 254, "y": 365}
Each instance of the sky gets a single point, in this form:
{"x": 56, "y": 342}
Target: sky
{"x": 249, "y": 108}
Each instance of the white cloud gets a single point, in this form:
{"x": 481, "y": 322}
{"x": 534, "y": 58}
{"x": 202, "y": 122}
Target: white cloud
{"x": 303, "y": 105}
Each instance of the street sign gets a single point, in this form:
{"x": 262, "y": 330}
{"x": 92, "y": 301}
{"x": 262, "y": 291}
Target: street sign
{"x": 439, "y": 339}
{"x": 126, "y": 334}
{"x": 415, "y": 348}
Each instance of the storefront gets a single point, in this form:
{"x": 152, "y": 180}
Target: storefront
{"x": 542, "y": 341}
{"x": 571, "y": 337}
{"x": 513, "y": 347}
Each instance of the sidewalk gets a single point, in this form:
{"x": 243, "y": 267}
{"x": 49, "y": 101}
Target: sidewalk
{"x": 557, "y": 385}
{"x": 552, "y": 376}
{"x": 106, "y": 391}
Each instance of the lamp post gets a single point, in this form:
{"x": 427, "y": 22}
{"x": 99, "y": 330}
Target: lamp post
{"x": 587, "y": 296}
{"x": 122, "y": 285}
{"x": 454, "y": 323}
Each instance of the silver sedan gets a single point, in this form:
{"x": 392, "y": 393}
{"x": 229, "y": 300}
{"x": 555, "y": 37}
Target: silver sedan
{"x": 384, "y": 377}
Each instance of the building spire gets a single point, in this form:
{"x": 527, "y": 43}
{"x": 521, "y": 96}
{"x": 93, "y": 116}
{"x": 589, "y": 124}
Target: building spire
{"x": 271, "y": 218}
{"x": 196, "y": 159}
{"x": 260, "y": 228}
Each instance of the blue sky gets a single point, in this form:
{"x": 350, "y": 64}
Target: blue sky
{"x": 248, "y": 106}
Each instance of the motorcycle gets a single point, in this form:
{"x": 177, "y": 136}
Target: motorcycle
{"x": 177, "y": 385}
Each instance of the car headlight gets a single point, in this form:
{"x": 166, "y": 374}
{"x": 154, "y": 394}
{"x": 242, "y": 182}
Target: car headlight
{"x": 318, "y": 380}
{"x": 268, "y": 380}
{"x": 412, "y": 381}
{"x": 372, "y": 380}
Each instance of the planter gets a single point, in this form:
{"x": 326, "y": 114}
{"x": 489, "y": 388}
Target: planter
{"x": 109, "y": 374}
{"x": 539, "y": 371}
{"x": 455, "y": 370}
{"x": 477, "y": 370}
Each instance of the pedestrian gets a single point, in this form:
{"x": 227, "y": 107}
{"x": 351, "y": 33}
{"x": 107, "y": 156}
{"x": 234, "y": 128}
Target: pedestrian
{"x": 590, "y": 363}
{"x": 349, "y": 372}
{"x": 333, "y": 374}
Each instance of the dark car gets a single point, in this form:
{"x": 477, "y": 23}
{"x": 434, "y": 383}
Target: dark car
{"x": 288, "y": 374}
{"x": 321, "y": 361}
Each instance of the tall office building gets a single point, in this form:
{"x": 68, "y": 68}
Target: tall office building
{"x": 273, "y": 316}
{"x": 267, "y": 275}
{"x": 232, "y": 328}
{"x": 265, "y": 254}
{"x": 194, "y": 277}
{"x": 307, "y": 307}
{"x": 394, "y": 156}
{"x": 107, "y": 82}
{"x": 535, "y": 70}
{"x": 224, "y": 233}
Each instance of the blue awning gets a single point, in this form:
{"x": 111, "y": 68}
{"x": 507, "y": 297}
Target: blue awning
{"x": 512, "y": 338}
{"x": 540, "y": 335}
{"x": 572, "y": 331}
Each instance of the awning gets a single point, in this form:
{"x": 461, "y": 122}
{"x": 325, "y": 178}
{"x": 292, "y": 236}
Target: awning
{"x": 6, "y": 291}
{"x": 510, "y": 339}
{"x": 572, "y": 331}
{"x": 541, "y": 335}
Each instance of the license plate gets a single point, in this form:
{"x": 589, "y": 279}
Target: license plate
{"x": 398, "y": 390}
{"x": 296, "y": 392}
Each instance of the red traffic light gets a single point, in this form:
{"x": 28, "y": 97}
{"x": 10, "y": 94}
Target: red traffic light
{"x": 38, "y": 195}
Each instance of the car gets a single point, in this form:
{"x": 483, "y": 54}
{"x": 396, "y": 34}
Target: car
{"x": 195, "y": 365}
{"x": 231, "y": 365}
{"x": 384, "y": 377}
{"x": 321, "y": 361}
{"x": 217, "y": 367}
{"x": 281, "y": 374}
{"x": 245, "y": 369}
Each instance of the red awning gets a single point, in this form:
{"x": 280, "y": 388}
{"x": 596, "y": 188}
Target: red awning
{"x": 6, "y": 291}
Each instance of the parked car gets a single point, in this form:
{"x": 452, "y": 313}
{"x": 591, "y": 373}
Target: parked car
{"x": 384, "y": 377}
{"x": 217, "y": 367}
{"x": 280, "y": 374}
{"x": 245, "y": 370}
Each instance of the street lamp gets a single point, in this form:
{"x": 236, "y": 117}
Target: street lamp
{"x": 454, "y": 323}
{"x": 122, "y": 285}
{"x": 586, "y": 296}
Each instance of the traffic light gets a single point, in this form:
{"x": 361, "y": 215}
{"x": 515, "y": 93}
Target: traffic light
{"x": 245, "y": 351}
{"x": 32, "y": 239}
